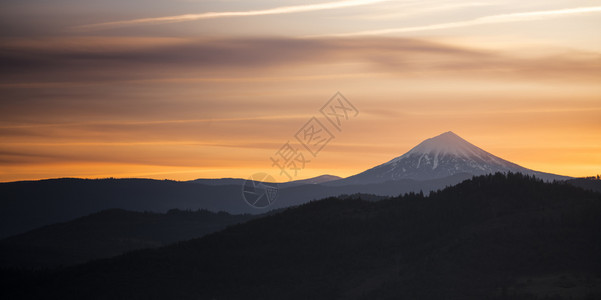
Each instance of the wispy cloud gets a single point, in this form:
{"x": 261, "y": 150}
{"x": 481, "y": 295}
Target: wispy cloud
{"x": 420, "y": 8}
{"x": 214, "y": 15}
{"x": 502, "y": 18}
{"x": 43, "y": 65}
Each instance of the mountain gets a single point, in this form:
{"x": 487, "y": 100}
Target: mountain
{"x": 26, "y": 205}
{"x": 590, "y": 183}
{"x": 239, "y": 181}
{"x": 502, "y": 236}
{"x": 109, "y": 233}
{"x": 434, "y": 164}
{"x": 315, "y": 180}
{"x": 438, "y": 157}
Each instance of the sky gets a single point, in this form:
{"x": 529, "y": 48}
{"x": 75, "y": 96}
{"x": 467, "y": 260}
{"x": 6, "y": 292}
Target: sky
{"x": 186, "y": 89}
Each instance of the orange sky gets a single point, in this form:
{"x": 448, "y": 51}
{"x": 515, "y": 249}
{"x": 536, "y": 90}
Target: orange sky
{"x": 208, "y": 98}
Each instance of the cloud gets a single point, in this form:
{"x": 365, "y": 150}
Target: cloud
{"x": 123, "y": 92}
{"x": 214, "y": 15}
{"x": 35, "y": 61}
{"x": 420, "y": 8}
{"x": 503, "y": 18}
{"x": 27, "y": 65}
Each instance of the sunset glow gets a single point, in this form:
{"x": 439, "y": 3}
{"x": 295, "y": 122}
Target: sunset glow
{"x": 208, "y": 89}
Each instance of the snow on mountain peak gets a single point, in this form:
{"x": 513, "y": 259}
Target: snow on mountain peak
{"x": 444, "y": 155}
{"x": 439, "y": 157}
{"x": 447, "y": 143}
{"x": 444, "y": 145}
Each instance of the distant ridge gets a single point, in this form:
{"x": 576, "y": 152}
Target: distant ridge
{"x": 109, "y": 233}
{"x": 240, "y": 181}
{"x": 436, "y": 163}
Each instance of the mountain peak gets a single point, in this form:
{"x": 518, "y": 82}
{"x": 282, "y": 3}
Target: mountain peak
{"x": 447, "y": 143}
{"x": 451, "y": 148}
{"x": 441, "y": 156}
{"x": 447, "y": 134}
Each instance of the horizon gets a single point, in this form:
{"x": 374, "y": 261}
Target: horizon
{"x": 184, "y": 90}
{"x": 295, "y": 179}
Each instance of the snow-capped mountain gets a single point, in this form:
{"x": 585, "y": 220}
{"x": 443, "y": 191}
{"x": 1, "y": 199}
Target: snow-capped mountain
{"x": 438, "y": 157}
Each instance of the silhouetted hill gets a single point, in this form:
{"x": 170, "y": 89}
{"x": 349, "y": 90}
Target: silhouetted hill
{"x": 590, "y": 183}
{"x": 26, "y": 205}
{"x": 491, "y": 237}
{"x": 108, "y": 233}
{"x": 239, "y": 181}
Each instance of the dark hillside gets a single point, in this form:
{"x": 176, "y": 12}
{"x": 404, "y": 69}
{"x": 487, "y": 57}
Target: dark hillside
{"x": 492, "y": 237}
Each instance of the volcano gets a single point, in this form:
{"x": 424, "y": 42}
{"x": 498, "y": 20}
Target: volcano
{"x": 442, "y": 156}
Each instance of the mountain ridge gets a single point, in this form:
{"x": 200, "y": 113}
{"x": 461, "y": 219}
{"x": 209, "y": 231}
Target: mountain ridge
{"x": 31, "y": 204}
{"x": 109, "y": 233}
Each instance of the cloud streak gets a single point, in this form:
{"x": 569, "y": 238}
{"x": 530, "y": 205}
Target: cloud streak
{"x": 237, "y": 60}
{"x": 412, "y": 9}
{"x": 214, "y": 15}
{"x": 494, "y": 19}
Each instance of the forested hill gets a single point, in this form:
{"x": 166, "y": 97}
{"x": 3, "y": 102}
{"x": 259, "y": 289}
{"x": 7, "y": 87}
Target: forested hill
{"x": 109, "y": 233}
{"x": 491, "y": 237}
